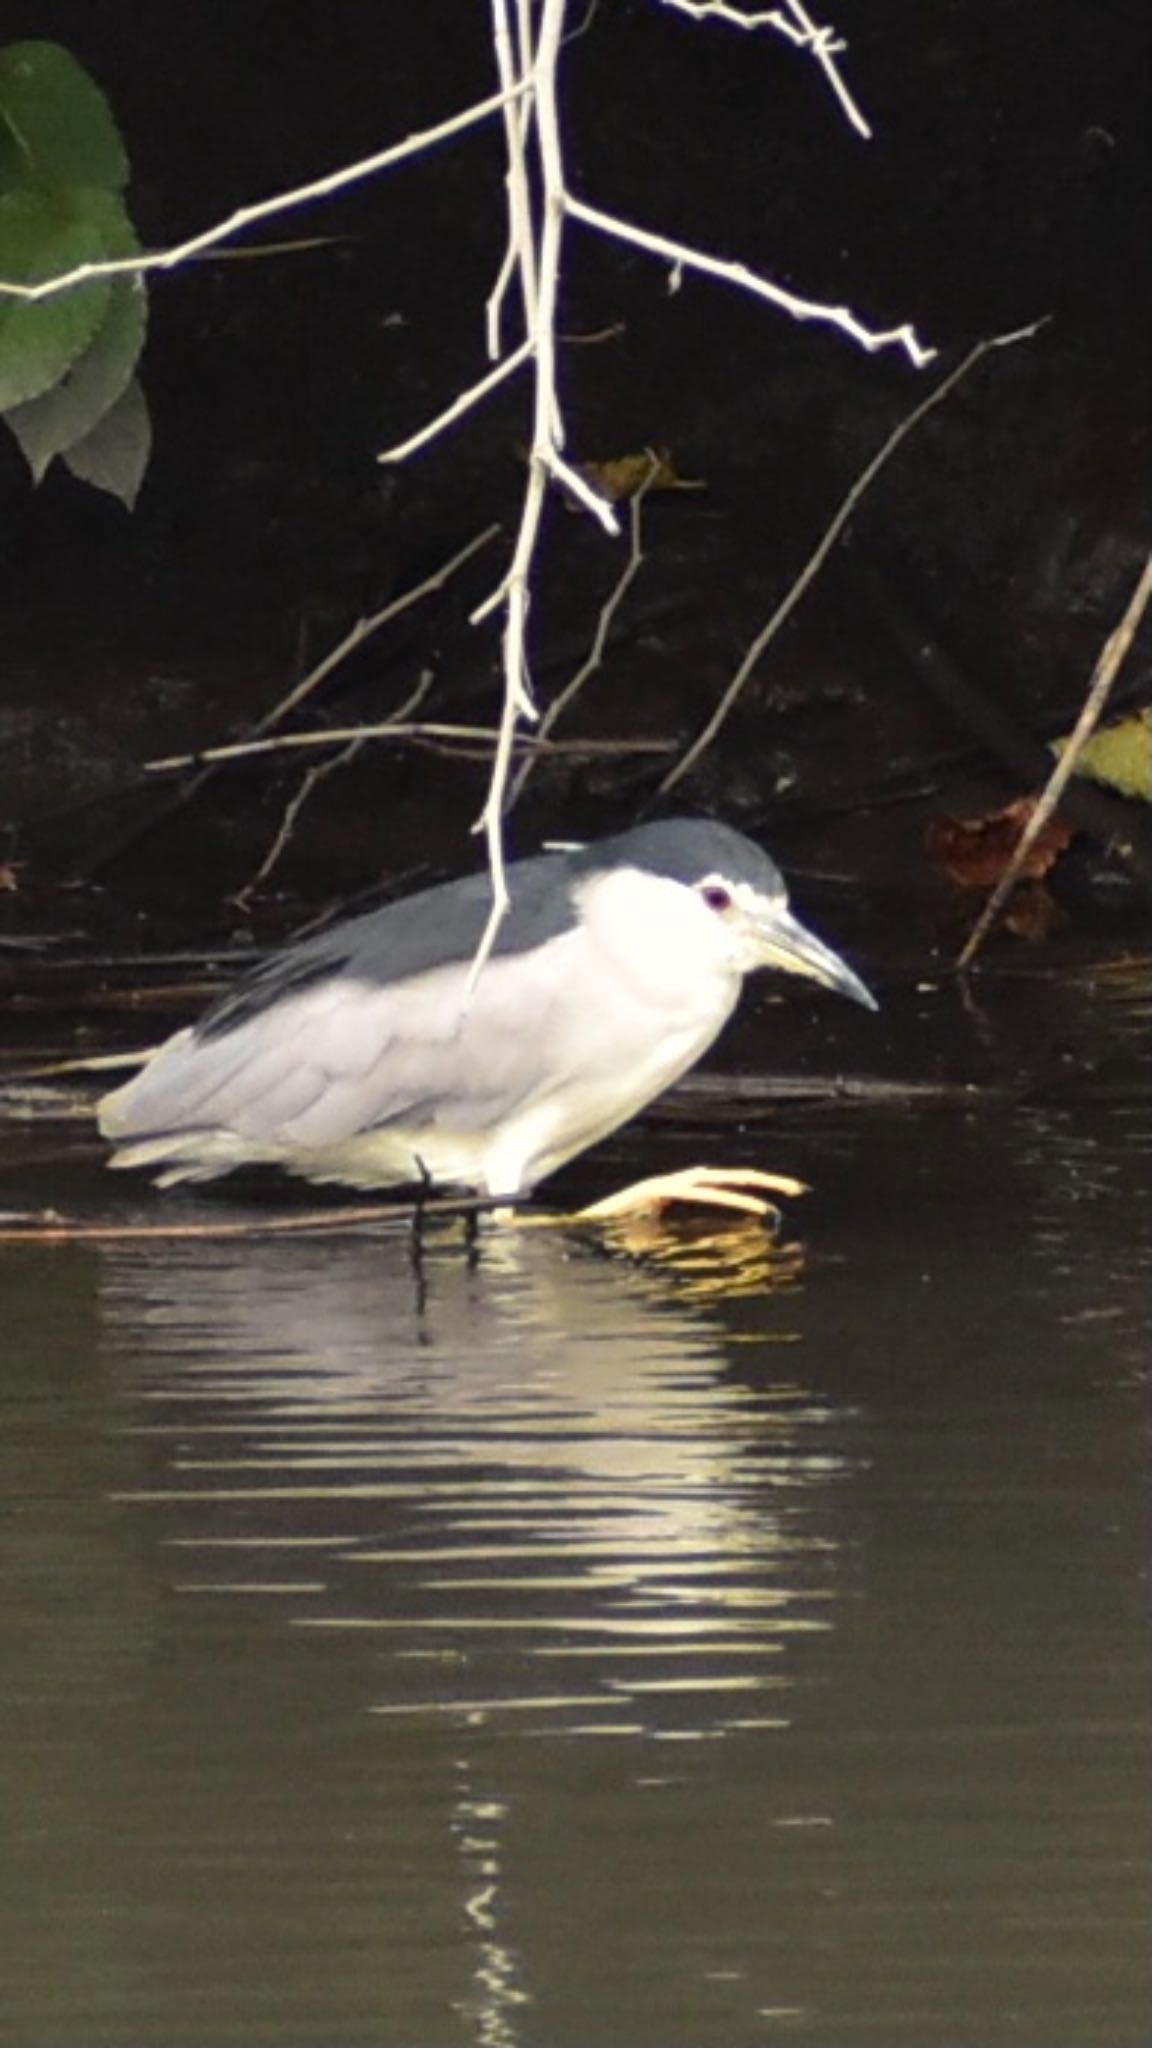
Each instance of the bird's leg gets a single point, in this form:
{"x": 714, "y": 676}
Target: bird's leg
{"x": 745, "y": 1189}
{"x": 472, "y": 1236}
{"x": 416, "y": 1233}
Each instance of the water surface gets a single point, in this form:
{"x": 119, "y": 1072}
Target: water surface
{"x": 574, "y": 1646}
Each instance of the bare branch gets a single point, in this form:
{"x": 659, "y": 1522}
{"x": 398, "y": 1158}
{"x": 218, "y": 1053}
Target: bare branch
{"x": 311, "y": 781}
{"x": 795, "y": 24}
{"x": 608, "y": 611}
{"x": 680, "y": 253}
{"x": 547, "y": 433}
{"x": 363, "y": 630}
{"x": 828, "y": 539}
{"x": 462, "y": 403}
{"x": 572, "y": 481}
{"x": 1100, "y": 689}
{"x": 481, "y": 736}
{"x": 520, "y": 254}
{"x": 265, "y": 209}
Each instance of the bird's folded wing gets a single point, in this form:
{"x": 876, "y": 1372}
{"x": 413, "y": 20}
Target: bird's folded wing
{"x": 345, "y": 1055}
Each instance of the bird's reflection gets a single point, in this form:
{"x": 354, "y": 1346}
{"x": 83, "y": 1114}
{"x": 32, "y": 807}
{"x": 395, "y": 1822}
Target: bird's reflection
{"x": 737, "y": 1260}
{"x": 545, "y": 1502}
{"x": 551, "y": 1469}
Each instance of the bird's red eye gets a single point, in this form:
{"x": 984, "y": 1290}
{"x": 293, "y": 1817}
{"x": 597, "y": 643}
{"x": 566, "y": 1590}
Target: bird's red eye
{"x": 716, "y": 897}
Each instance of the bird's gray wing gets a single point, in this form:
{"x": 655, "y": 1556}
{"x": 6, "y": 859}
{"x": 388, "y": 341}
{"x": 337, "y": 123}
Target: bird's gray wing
{"x": 346, "y": 1055}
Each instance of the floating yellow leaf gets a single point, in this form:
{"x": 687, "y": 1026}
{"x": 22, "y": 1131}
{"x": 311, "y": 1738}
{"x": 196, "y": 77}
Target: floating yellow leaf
{"x": 1120, "y": 756}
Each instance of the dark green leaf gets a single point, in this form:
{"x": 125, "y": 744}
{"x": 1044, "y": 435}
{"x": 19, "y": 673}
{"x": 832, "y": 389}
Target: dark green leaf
{"x": 44, "y": 233}
{"x": 49, "y": 425}
{"x": 55, "y": 122}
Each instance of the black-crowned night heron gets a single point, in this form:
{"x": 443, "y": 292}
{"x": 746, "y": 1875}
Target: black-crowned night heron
{"x": 367, "y": 1056}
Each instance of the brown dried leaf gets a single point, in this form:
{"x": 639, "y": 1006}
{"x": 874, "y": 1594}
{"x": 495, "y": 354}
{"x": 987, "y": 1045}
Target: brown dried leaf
{"x": 974, "y": 852}
{"x": 621, "y": 476}
{"x": 1033, "y": 913}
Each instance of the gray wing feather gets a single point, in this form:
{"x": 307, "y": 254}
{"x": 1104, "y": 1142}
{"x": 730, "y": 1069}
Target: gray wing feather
{"x": 345, "y": 1056}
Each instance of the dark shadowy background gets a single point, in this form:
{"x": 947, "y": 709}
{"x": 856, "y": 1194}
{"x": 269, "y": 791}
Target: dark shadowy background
{"x": 1007, "y": 183}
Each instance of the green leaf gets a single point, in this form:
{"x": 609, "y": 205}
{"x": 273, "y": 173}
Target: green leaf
{"x": 115, "y": 454}
{"x": 55, "y": 122}
{"x": 50, "y": 425}
{"x": 45, "y": 426}
{"x": 45, "y": 232}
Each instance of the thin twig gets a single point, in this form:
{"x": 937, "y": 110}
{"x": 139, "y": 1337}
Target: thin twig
{"x": 798, "y": 28}
{"x": 296, "y": 695}
{"x": 608, "y": 611}
{"x": 682, "y": 254}
{"x": 824, "y": 546}
{"x": 483, "y": 736}
{"x": 310, "y": 782}
{"x": 264, "y": 209}
{"x": 363, "y": 630}
{"x": 49, "y": 1227}
{"x": 1104, "y": 676}
{"x": 462, "y": 403}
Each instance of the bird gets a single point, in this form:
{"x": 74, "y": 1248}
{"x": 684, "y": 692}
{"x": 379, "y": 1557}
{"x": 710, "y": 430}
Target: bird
{"x": 373, "y": 1055}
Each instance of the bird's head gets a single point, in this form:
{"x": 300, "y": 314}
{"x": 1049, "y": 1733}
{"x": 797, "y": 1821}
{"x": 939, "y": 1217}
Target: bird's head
{"x": 691, "y": 896}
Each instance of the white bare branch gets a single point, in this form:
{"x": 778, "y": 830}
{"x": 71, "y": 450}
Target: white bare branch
{"x": 572, "y": 481}
{"x": 795, "y": 24}
{"x": 680, "y": 253}
{"x": 608, "y": 611}
{"x": 462, "y": 403}
{"x": 541, "y": 269}
{"x": 520, "y": 253}
{"x": 264, "y": 209}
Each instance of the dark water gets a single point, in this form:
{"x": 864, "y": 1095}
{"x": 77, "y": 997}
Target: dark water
{"x": 656, "y": 1650}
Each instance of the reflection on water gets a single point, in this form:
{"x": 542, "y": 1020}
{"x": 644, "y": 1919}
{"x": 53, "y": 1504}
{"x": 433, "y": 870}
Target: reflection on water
{"x": 683, "y": 1647}
{"x": 524, "y": 1474}
{"x": 530, "y": 1483}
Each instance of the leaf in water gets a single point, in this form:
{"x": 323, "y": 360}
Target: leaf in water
{"x": 55, "y": 122}
{"x": 974, "y": 852}
{"x": 43, "y": 233}
{"x": 115, "y": 454}
{"x": 59, "y": 418}
{"x": 1119, "y": 756}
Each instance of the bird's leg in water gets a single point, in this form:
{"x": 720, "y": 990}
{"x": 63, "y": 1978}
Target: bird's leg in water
{"x": 472, "y": 1235}
{"x": 416, "y": 1233}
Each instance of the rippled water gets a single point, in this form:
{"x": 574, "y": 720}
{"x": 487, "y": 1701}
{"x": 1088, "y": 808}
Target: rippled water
{"x": 662, "y": 1645}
